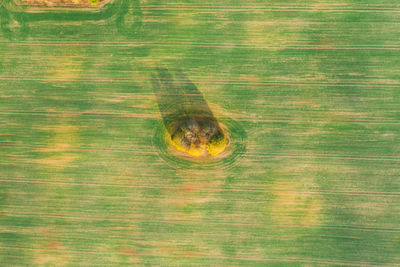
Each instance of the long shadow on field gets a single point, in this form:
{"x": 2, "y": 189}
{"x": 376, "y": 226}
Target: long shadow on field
{"x": 185, "y": 113}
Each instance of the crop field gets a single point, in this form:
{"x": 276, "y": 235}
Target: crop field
{"x": 306, "y": 97}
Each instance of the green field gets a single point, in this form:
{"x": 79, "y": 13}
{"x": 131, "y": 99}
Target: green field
{"x": 309, "y": 89}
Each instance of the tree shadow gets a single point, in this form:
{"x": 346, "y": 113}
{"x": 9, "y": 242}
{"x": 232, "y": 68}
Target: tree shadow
{"x": 186, "y": 114}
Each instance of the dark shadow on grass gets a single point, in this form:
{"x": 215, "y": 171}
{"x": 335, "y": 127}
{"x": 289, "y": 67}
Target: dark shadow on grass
{"x": 185, "y": 113}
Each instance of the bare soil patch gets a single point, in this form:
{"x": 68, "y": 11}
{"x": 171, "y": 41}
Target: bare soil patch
{"x": 77, "y": 3}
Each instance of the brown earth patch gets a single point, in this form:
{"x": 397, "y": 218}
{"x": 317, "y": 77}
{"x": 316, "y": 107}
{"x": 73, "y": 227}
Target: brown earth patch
{"x": 77, "y": 3}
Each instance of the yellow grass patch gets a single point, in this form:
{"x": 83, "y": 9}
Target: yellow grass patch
{"x": 57, "y": 151}
{"x": 64, "y": 68}
{"x": 292, "y": 205}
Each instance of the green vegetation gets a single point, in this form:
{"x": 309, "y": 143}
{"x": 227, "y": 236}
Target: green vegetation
{"x": 314, "y": 85}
